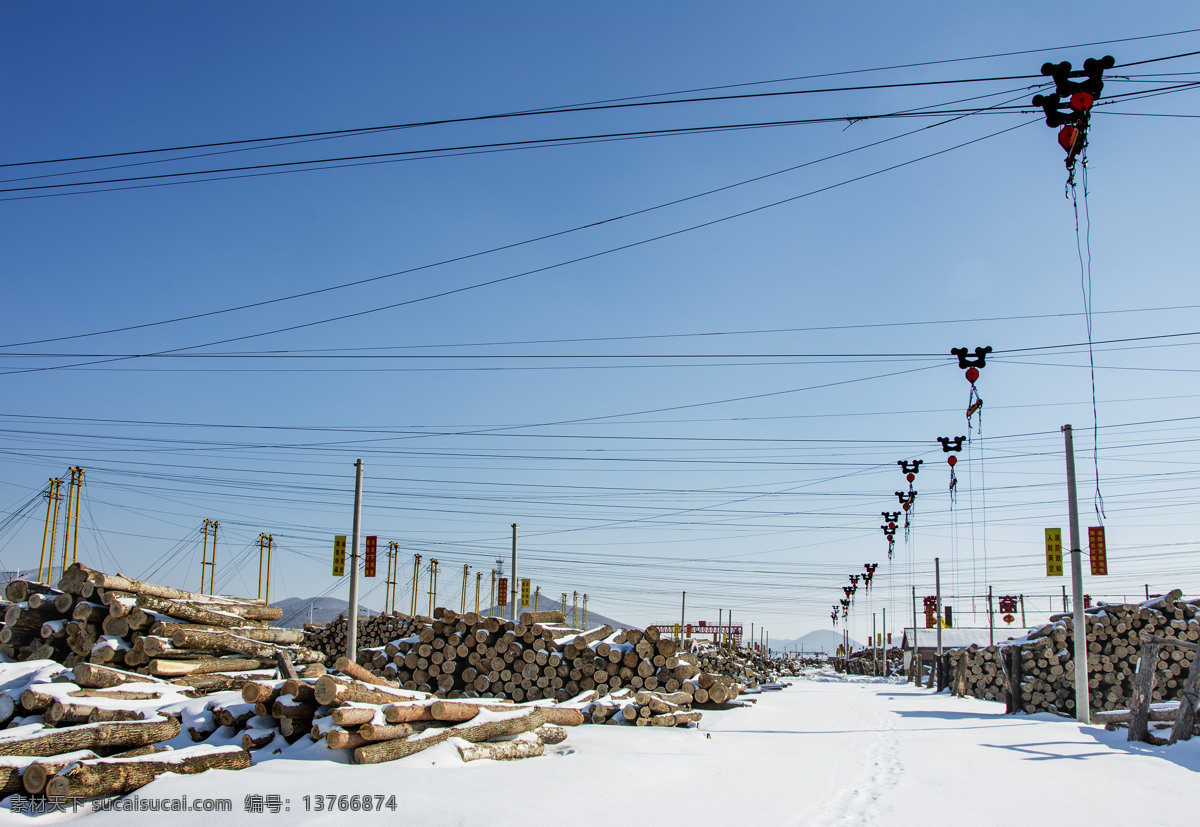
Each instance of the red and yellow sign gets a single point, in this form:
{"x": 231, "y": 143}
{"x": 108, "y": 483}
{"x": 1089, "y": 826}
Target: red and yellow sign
{"x": 1054, "y": 553}
{"x": 372, "y": 551}
{"x": 339, "y": 555}
{"x": 524, "y": 591}
{"x": 502, "y": 586}
{"x": 1097, "y": 550}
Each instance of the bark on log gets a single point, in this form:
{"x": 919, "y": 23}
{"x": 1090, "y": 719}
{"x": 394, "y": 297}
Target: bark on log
{"x": 100, "y": 777}
{"x": 93, "y": 736}
{"x": 330, "y": 690}
{"x": 100, "y": 677}
{"x": 526, "y": 745}
{"x": 165, "y": 668}
{"x": 352, "y": 669}
{"x": 391, "y": 750}
{"x": 35, "y": 775}
{"x": 227, "y": 642}
{"x": 193, "y": 612}
{"x": 270, "y": 634}
{"x": 384, "y": 732}
{"x": 100, "y": 580}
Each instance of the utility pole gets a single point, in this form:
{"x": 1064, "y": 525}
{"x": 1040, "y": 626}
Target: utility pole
{"x": 53, "y": 496}
{"x": 575, "y": 609}
{"x": 492, "y": 599}
{"x": 874, "y": 647}
{"x": 416, "y": 581}
{"x": 991, "y": 620}
{"x": 937, "y": 575}
{"x": 433, "y": 567}
{"x": 585, "y": 611}
{"x": 478, "y": 583}
{"x": 719, "y": 616}
{"x": 1083, "y": 707}
{"x": 1023, "y": 626}
{"x": 513, "y": 575}
{"x": 682, "y": 617}
{"x": 537, "y": 599}
{"x": 265, "y": 543}
{"x": 885, "y": 641}
{"x": 205, "y": 561}
{"x": 916, "y": 649}
{"x": 352, "y": 610}
{"x": 393, "y": 573}
{"x": 462, "y": 610}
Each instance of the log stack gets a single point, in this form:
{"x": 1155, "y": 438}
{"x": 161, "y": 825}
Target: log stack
{"x": 1046, "y": 657}
{"x": 98, "y": 618}
{"x": 871, "y": 662}
{"x": 470, "y": 656}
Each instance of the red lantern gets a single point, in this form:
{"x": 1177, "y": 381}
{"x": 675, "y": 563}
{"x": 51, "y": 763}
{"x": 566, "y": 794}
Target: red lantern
{"x": 1009, "y": 618}
{"x": 952, "y": 460}
{"x": 905, "y": 506}
{"x": 972, "y": 375}
{"x": 911, "y": 477}
{"x": 1081, "y": 101}
{"x": 1067, "y": 136}
{"x": 892, "y": 526}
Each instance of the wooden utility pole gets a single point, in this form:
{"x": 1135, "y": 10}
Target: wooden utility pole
{"x": 53, "y": 497}
{"x": 462, "y": 609}
{"x": 478, "y": 583}
{"x": 206, "y": 560}
{"x": 266, "y": 543}
{"x": 537, "y": 599}
{"x": 575, "y": 609}
{"x": 585, "y": 625}
{"x": 389, "y": 600}
{"x": 492, "y": 599}
{"x": 416, "y": 582}
{"x": 1083, "y": 708}
{"x": 433, "y": 568}
{"x": 352, "y": 609}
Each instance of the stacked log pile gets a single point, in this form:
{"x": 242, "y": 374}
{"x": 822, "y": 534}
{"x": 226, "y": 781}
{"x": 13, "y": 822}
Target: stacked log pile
{"x": 471, "y": 656}
{"x": 98, "y": 618}
{"x": 1113, "y": 641}
{"x": 871, "y": 662}
{"x": 96, "y": 731}
{"x": 375, "y": 721}
{"x": 744, "y": 665}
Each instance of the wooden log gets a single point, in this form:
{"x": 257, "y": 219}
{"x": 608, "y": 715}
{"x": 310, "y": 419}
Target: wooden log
{"x": 1189, "y": 702}
{"x": 99, "y": 714}
{"x": 384, "y": 732}
{"x": 166, "y": 668}
{"x": 530, "y": 618}
{"x": 100, "y": 677}
{"x": 92, "y": 736}
{"x": 119, "y": 582}
{"x": 261, "y": 691}
{"x": 407, "y": 712}
{"x": 100, "y": 777}
{"x": 526, "y": 745}
{"x": 338, "y": 738}
{"x": 227, "y": 642}
{"x": 346, "y": 716}
{"x": 193, "y": 612}
{"x": 18, "y": 591}
{"x": 270, "y": 634}
{"x": 353, "y": 670}
{"x": 474, "y": 732}
{"x": 330, "y": 690}
{"x": 214, "y": 683}
{"x": 34, "y": 776}
{"x": 1143, "y": 688}
{"x": 674, "y": 719}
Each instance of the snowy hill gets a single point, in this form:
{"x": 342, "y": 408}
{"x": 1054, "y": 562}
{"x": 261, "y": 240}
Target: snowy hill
{"x": 822, "y": 640}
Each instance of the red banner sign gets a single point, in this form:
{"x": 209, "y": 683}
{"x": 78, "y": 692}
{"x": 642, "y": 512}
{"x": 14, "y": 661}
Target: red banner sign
{"x": 1097, "y": 550}
{"x": 502, "y": 586}
{"x": 372, "y": 549}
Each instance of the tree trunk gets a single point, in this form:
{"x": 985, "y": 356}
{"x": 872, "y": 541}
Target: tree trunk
{"x": 391, "y": 750}
{"x": 526, "y": 745}
{"x": 92, "y": 736}
{"x": 96, "y": 778}
{"x": 35, "y": 775}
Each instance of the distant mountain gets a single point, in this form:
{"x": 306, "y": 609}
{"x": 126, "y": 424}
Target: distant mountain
{"x": 822, "y": 640}
{"x": 319, "y": 610}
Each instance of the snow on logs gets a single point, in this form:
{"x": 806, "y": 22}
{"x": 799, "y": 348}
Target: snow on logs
{"x": 1113, "y": 641}
{"x": 113, "y": 620}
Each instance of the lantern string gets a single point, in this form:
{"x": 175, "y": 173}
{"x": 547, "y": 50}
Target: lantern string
{"x": 1083, "y": 242}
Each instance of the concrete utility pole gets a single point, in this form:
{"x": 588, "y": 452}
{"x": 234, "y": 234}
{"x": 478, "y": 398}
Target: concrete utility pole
{"x": 416, "y": 581}
{"x": 991, "y": 620}
{"x": 937, "y": 575}
{"x": 683, "y": 617}
{"x": 352, "y": 609}
{"x": 1083, "y": 707}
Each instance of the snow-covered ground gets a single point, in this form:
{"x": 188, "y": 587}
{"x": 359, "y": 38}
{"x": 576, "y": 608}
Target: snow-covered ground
{"x": 826, "y": 750}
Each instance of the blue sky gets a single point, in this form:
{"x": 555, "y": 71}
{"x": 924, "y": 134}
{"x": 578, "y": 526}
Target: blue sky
{"x": 719, "y": 410}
